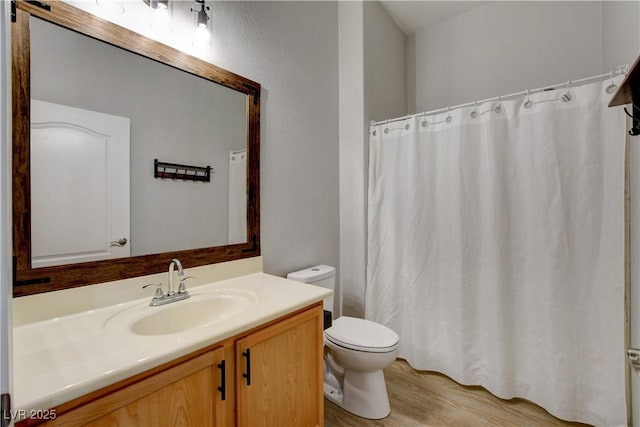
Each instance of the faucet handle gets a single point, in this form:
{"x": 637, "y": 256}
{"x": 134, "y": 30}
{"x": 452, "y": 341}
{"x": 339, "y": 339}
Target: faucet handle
{"x": 182, "y": 288}
{"x": 158, "y": 294}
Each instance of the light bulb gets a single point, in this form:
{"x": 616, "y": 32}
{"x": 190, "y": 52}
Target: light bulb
{"x": 202, "y": 37}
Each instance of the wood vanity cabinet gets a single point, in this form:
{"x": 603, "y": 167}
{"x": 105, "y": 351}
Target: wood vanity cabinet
{"x": 279, "y": 373}
{"x": 184, "y": 393}
{"x": 272, "y": 376}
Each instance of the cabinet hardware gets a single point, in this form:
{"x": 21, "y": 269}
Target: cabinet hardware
{"x": 223, "y": 382}
{"x": 247, "y": 374}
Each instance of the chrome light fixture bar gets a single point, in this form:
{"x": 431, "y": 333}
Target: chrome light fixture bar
{"x": 203, "y": 18}
{"x": 157, "y": 4}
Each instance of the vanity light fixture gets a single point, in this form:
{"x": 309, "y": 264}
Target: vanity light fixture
{"x": 202, "y": 35}
{"x": 203, "y": 18}
{"x": 161, "y": 15}
{"x": 157, "y": 4}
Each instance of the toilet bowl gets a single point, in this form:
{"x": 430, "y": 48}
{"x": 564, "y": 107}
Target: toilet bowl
{"x": 356, "y": 352}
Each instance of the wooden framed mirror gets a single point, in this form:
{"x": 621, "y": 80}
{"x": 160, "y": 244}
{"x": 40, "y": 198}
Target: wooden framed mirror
{"x": 39, "y": 21}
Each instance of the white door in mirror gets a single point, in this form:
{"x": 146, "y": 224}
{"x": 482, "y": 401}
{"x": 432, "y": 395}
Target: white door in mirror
{"x": 76, "y": 155}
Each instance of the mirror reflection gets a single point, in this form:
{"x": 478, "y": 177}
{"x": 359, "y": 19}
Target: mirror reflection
{"x": 100, "y": 118}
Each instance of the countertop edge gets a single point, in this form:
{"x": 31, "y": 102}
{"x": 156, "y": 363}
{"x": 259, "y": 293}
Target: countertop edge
{"x": 68, "y": 392}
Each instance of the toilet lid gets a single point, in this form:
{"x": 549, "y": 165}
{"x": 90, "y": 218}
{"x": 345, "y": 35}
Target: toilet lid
{"x": 361, "y": 334}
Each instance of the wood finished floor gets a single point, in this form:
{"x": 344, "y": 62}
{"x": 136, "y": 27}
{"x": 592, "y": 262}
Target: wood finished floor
{"x": 420, "y": 398}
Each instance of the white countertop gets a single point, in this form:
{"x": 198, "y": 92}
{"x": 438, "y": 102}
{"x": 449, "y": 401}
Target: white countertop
{"x": 61, "y": 359}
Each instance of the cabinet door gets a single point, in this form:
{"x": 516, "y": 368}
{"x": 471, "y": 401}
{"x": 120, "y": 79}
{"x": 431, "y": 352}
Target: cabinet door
{"x": 184, "y": 395}
{"x": 186, "y": 402}
{"x": 279, "y": 373}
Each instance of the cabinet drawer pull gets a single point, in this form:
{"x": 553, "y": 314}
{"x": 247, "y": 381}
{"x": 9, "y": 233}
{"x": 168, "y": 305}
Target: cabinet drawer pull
{"x": 223, "y": 381}
{"x": 247, "y": 374}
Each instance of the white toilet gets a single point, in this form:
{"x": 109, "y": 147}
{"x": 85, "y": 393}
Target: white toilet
{"x": 356, "y": 352}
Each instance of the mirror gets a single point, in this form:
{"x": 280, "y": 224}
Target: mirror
{"x": 185, "y": 113}
{"x": 78, "y": 183}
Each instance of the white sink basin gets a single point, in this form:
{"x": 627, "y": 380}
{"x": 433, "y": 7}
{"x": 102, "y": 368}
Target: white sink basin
{"x": 199, "y": 311}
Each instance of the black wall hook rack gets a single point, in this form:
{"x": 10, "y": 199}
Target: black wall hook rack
{"x": 183, "y": 172}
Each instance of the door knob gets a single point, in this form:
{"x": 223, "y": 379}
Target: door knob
{"x": 120, "y": 242}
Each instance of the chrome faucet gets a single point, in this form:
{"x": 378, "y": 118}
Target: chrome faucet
{"x": 174, "y": 262}
{"x": 161, "y": 299}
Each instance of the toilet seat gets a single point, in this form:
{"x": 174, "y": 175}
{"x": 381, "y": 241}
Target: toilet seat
{"x": 362, "y": 335}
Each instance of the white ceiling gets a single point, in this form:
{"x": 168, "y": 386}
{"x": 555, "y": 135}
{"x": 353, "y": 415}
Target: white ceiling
{"x": 412, "y": 16}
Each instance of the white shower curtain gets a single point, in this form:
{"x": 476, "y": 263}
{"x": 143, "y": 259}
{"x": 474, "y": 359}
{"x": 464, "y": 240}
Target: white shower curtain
{"x": 496, "y": 248}
{"x": 237, "y": 196}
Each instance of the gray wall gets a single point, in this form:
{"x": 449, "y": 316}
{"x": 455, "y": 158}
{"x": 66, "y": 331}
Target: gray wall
{"x": 620, "y": 33}
{"x": 175, "y": 117}
{"x": 385, "y": 64}
{"x": 353, "y": 163}
{"x": 291, "y": 48}
{"x": 372, "y": 87}
{"x": 506, "y": 47}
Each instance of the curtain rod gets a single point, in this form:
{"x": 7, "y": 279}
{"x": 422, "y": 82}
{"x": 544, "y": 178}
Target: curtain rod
{"x": 618, "y": 71}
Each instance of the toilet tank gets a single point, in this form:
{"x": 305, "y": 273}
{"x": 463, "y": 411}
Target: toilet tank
{"x": 320, "y": 275}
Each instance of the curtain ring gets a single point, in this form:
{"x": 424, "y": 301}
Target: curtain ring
{"x": 474, "y": 112}
{"x": 449, "y": 118}
{"x": 528, "y": 103}
{"x": 406, "y": 126}
{"x": 567, "y": 97}
{"x": 498, "y": 107}
{"x": 612, "y": 86}
{"x": 424, "y": 122}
